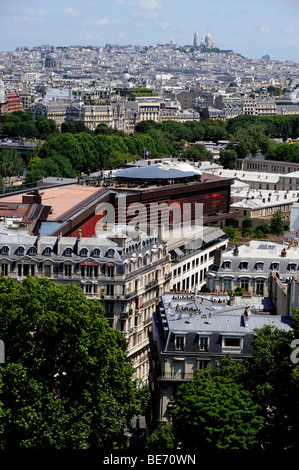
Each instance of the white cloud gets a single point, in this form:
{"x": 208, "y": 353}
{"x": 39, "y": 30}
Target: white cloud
{"x": 264, "y": 29}
{"x": 149, "y": 5}
{"x": 71, "y": 12}
{"x": 29, "y": 19}
{"x": 164, "y": 25}
{"x": 103, "y": 21}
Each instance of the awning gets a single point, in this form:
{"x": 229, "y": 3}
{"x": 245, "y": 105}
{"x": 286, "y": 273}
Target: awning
{"x": 178, "y": 252}
{"x": 213, "y": 235}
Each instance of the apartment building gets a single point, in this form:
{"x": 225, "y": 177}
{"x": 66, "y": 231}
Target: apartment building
{"x": 192, "y": 331}
{"x": 126, "y": 274}
{"x": 249, "y": 267}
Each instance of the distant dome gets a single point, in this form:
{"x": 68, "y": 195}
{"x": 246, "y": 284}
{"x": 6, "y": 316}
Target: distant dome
{"x": 208, "y": 36}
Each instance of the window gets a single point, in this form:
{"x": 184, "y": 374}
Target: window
{"x": 110, "y": 254}
{"x": 88, "y": 288}
{"x": 110, "y": 289}
{"x": 202, "y": 364}
{"x": 227, "y": 284}
{"x": 244, "y": 265}
{"x": 68, "y": 252}
{"x": 259, "y": 266}
{"x": 275, "y": 266}
{"x": 227, "y": 264}
{"x": 20, "y": 251}
{"x": 245, "y": 284}
{"x": 204, "y": 343}
{"x": 232, "y": 342}
{"x": 4, "y": 250}
{"x": 260, "y": 287}
{"x": 32, "y": 251}
{"x": 4, "y": 269}
{"x": 84, "y": 252}
{"x": 292, "y": 266}
{"x": 179, "y": 343}
{"x": 110, "y": 271}
{"x": 68, "y": 270}
{"x": 47, "y": 251}
{"x": 47, "y": 270}
{"x": 96, "y": 253}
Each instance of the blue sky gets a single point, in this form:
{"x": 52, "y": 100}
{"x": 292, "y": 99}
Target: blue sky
{"x": 252, "y": 28}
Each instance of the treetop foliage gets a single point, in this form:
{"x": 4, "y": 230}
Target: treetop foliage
{"x": 66, "y": 382}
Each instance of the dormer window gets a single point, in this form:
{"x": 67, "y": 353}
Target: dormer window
{"x": 259, "y": 266}
{"x": 179, "y": 343}
{"x": 110, "y": 254}
{"x": 96, "y": 253}
{"x": 204, "y": 343}
{"x": 4, "y": 250}
{"x": 227, "y": 264}
{"x": 32, "y": 251}
{"x": 275, "y": 266}
{"x": 244, "y": 265}
{"x": 47, "y": 251}
{"x": 84, "y": 252}
{"x": 20, "y": 251}
{"x": 68, "y": 252}
{"x": 292, "y": 266}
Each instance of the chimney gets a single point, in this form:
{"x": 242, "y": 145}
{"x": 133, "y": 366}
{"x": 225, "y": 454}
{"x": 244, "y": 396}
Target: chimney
{"x": 283, "y": 253}
{"x": 246, "y": 315}
{"x": 218, "y": 257}
{"x": 37, "y": 244}
{"x": 236, "y": 251}
{"x": 58, "y": 244}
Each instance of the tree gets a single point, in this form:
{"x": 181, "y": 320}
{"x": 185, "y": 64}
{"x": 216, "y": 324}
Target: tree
{"x": 215, "y": 411}
{"x": 161, "y": 439}
{"x": 228, "y": 159}
{"x": 271, "y": 378}
{"x": 247, "y": 223}
{"x": 11, "y": 163}
{"x": 66, "y": 382}
{"x": 230, "y": 232}
{"x": 277, "y": 223}
{"x": 198, "y": 152}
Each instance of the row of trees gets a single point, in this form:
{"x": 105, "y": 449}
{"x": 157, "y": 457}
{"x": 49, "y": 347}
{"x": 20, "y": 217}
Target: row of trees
{"x": 240, "y": 406}
{"x": 276, "y": 227}
{"x": 76, "y": 149}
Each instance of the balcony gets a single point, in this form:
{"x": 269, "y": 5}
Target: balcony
{"x": 176, "y": 376}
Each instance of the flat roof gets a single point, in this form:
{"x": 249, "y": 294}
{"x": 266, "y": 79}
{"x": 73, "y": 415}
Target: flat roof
{"x": 60, "y": 198}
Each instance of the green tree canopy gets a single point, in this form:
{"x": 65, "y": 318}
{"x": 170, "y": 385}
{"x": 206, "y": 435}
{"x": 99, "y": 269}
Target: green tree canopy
{"x": 215, "y": 411}
{"x": 66, "y": 382}
{"x": 277, "y": 223}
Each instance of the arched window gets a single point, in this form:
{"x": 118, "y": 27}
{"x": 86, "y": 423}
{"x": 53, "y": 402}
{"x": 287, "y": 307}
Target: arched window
{"x": 4, "y": 250}
{"x": 20, "y": 250}
{"x": 292, "y": 266}
{"x": 84, "y": 252}
{"x": 227, "y": 264}
{"x": 110, "y": 254}
{"x": 96, "y": 253}
{"x": 31, "y": 251}
{"x": 47, "y": 251}
{"x": 68, "y": 252}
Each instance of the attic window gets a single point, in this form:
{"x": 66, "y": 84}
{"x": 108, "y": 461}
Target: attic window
{"x": 179, "y": 342}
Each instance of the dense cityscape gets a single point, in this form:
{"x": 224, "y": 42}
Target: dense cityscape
{"x": 130, "y": 331}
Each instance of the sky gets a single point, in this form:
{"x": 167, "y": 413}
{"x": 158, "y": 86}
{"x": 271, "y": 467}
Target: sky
{"x": 252, "y": 28}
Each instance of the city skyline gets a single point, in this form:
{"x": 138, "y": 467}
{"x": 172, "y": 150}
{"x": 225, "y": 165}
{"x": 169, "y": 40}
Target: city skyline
{"x": 252, "y": 29}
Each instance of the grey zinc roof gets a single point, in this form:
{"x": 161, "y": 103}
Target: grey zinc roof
{"x": 158, "y": 171}
{"x": 204, "y": 316}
